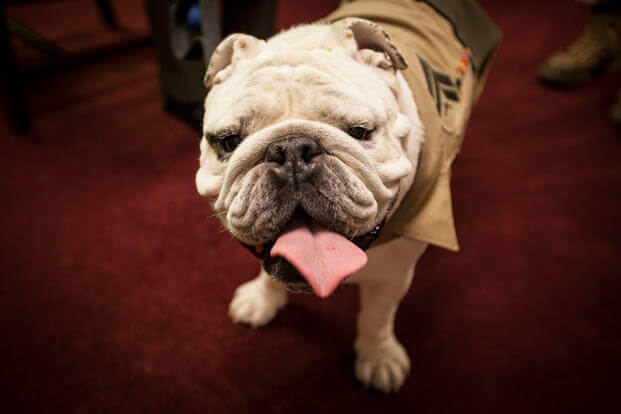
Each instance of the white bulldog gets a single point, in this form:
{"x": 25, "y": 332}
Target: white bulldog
{"x": 311, "y": 141}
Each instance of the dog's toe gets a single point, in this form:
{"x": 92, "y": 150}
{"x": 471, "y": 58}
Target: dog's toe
{"x": 255, "y": 304}
{"x": 383, "y": 364}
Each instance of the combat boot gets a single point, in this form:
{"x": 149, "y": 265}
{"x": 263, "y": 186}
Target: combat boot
{"x": 597, "y": 49}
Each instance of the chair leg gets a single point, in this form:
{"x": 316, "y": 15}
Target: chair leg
{"x": 33, "y": 38}
{"x": 105, "y": 9}
{"x": 12, "y": 81}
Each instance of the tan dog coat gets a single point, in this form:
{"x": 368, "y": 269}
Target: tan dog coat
{"x": 447, "y": 45}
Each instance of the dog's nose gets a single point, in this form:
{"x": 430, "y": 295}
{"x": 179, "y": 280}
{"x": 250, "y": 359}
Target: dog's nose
{"x": 294, "y": 150}
{"x": 294, "y": 157}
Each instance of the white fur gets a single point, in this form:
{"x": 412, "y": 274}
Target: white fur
{"x": 256, "y": 302}
{"x": 309, "y": 78}
{"x": 306, "y": 80}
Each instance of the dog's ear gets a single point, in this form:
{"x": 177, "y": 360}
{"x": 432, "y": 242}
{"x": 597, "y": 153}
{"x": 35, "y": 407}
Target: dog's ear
{"x": 373, "y": 45}
{"x": 232, "y": 49}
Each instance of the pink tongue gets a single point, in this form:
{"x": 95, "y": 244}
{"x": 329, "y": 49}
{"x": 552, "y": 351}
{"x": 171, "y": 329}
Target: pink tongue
{"x": 323, "y": 257}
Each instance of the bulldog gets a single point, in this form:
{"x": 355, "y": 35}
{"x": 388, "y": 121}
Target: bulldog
{"x": 326, "y": 152}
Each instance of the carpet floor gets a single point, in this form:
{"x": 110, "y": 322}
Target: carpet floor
{"x": 115, "y": 278}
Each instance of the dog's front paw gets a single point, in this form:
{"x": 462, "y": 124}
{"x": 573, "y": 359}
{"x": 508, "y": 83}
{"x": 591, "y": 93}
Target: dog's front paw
{"x": 256, "y": 302}
{"x": 382, "y": 364}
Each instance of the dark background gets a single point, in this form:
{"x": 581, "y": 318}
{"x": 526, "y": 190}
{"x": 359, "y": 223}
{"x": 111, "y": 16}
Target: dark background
{"x": 115, "y": 279}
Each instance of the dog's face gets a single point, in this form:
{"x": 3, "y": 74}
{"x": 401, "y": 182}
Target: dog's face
{"x": 306, "y": 126}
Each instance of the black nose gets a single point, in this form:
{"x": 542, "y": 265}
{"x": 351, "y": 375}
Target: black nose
{"x": 293, "y": 157}
{"x": 293, "y": 150}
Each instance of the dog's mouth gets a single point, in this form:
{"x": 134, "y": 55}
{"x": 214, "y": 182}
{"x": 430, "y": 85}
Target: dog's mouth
{"x": 308, "y": 257}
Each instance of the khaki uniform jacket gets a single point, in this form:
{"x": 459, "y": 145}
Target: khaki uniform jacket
{"x": 447, "y": 45}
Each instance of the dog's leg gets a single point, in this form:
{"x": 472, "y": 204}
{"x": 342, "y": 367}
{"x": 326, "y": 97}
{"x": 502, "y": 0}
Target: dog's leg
{"x": 381, "y": 361}
{"x": 256, "y": 302}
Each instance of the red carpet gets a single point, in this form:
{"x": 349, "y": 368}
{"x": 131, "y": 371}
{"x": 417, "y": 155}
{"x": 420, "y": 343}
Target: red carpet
{"x": 115, "y": 279}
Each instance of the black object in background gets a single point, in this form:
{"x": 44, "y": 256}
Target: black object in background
{"x": 183, "y": 52}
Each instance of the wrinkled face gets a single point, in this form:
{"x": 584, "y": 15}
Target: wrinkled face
{"x": 311, "y": 132}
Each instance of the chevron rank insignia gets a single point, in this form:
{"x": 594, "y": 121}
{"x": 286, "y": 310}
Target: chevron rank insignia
{"x": 443, "y": 89}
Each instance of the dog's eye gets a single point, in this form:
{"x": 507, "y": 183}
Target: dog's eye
{"x": 230, "y": 142}
{"x": 359, "y": 132}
